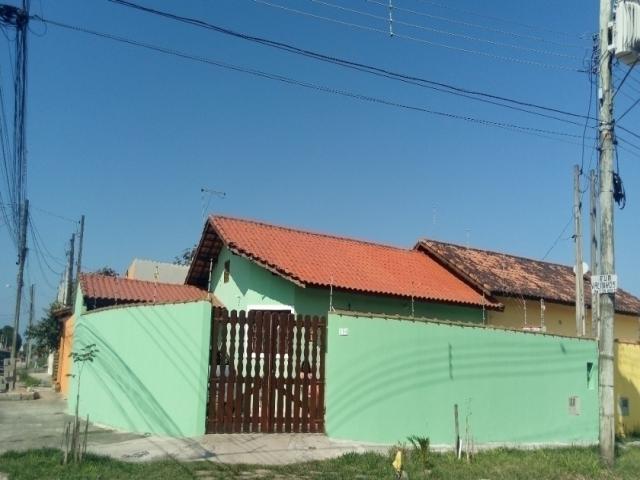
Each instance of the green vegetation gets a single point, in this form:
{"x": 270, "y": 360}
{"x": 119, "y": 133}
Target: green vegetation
{"x": 27, "y": 379}
{"x": 45, "y": 334}
{"x": 550, "y": 464}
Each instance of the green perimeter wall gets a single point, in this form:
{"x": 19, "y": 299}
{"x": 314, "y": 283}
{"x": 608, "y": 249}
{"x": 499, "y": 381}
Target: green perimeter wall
{"x": 250, "y": 284}
{"x": 388, "y": 379}
{"x": 150, "y": 374}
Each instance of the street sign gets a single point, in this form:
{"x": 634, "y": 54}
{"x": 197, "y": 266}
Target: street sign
{"x": 604, "y": 283}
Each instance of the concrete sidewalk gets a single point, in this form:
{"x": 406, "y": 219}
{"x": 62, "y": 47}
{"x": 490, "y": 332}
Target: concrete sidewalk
{"x": 40, "y": 423}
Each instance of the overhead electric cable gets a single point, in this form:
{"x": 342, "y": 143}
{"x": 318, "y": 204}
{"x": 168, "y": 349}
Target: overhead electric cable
{"x": 347, "y": 63}
{"x": 477, "y": 25}
{"x": 500, "y": 19}
{"x": 624, "y": 79}
{"x": 628, "y": 110}
{"x": 321, "y": 88}
{"x": 443, "y": 32}
{"x": 422, "y": 40}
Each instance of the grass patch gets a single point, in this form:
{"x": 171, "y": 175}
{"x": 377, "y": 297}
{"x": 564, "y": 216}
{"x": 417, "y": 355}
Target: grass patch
{"x": 549, "y": 464}
{"x": 27, "y": 379}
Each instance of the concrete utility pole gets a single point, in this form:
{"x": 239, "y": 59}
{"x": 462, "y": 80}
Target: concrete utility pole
{"x": 69, "y": 295}
{"x": 593, "y": 211}
{"x": 577, "y": 237}
{"x": 79, "y": 262}
{"x": 607, "y": 300}
{"x": 22, "y": 257}
{"x": 31, "y": 308}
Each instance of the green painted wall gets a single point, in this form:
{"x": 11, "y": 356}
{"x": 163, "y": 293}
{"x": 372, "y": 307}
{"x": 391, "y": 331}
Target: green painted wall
{"x": 150, "y": 374}
{"x": 388, "y": 379}
{"x": 250, "y": 284}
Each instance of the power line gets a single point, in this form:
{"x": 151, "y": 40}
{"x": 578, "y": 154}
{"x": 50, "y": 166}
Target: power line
{"x": 500, "y": 19}
{"x": 443, "y": 32}
{"x": 628, "y": 110}
{"x": 624, "y": 79}
{"x": 364, "y": 68}
{"x": 478, "y": 26}
{"x": 422, "y": 40}
{"x": 321, "y": 88}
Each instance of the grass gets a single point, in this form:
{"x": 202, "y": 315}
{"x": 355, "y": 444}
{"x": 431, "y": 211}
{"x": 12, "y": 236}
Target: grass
{"x": 551, "y": 464}
{"x": 27, "y": 379}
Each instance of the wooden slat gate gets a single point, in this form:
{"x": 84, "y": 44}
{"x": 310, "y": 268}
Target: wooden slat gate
{"x": 266, "y": 372}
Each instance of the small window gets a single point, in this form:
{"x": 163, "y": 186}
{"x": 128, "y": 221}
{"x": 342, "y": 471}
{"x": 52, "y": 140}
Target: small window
{"x": 227, "y": 270}
{"x": 590, "y": 375}
{"x": 624, "y": 406}
{"x": 574, "y": 405}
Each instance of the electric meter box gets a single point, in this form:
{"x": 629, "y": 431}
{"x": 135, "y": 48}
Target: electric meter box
{"x": 626, "y": 36}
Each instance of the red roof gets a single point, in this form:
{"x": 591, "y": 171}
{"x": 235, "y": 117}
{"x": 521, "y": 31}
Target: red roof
{"x": 105, "y": 289}
{"x": 313, "y": 259}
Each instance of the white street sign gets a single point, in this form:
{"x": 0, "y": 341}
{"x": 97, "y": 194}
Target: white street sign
{"x": 604, "y": 283}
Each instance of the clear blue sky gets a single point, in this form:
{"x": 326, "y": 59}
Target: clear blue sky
{"x": 128, "y": 136}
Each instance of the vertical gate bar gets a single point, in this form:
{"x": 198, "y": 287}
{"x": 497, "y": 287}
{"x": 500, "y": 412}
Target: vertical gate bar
{"x": 231, "y": 380}
{"x": 248, "y": 385}
{"x": 288, "y": 381}
{"x": 305, "y": 378}
{"x": 264, "y": 415}
{"x": 213, "y": 377}
{"x": 296, "y": 379}
{"x": 239, "y": 385}
{"x": 313, "y": 387}
{"x": 223, "y": 322}
{"x": 281, "y": 332}
{"x": 273, "y": 338}
{"x": 322, "y": 344}
{"x": 257, "y": 379}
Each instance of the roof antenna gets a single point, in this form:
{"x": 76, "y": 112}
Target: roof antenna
{"x": 208, "y": 193}
{"x": 156, "y": 274}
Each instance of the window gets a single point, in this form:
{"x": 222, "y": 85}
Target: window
{"x": 227, "y": 270}
{"x": 590, "y": 376}
{"x": 624, "y": 406}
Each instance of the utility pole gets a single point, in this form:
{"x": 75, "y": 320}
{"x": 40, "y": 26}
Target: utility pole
{"x": 606, "y": 300}
{"x": 31, "y": 308}
{"x": 577, "y": 237}
{"x": 593, "y": 211}
{"x": 79, "y": 262}
{"x": 69, "y": 295}
{"x": 22, "y": 257}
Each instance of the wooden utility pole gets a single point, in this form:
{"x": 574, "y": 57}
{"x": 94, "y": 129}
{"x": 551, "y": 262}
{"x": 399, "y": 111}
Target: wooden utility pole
{"x": 31, "y": 311}
{"x": 79, "y": 262}
{"x": 606, "y": 300}
{"x": 22, "y": 257}
{"x": 577, "y": 237}
{"x": 69, "y": 296}
{"x": 595, "y": 324}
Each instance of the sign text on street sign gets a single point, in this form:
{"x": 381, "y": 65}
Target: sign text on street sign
{"x": 604, "y": 283}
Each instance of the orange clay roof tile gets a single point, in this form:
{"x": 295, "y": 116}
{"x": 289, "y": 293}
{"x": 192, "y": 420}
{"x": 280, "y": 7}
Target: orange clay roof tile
{"x": 314, "y": 259}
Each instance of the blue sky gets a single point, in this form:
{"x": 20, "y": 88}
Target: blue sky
{"x": 128, "y": 136}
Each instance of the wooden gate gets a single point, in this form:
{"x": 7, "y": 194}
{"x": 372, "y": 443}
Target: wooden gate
{"x": 266, "y": 372}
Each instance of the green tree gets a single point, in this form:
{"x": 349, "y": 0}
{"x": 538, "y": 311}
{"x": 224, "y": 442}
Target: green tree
{"x": 185, "y": 257}
{"x": 6, "y": 338}
{"x": 45, "y": 335}
{"x": 108, "y": 271}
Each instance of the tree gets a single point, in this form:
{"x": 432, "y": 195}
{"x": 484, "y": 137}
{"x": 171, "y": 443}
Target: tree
{"x": 45, "y": 335}
{"x": 108, "y": 271}
{"x": 6, "y": 338}
{"x": 185, "y": 257}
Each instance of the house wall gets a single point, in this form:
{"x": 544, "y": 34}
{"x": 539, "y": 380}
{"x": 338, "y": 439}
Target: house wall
{"x": 150, "y": 373}
{"x": 627, "y": 385}
{"x": 387, "y": 379}
{"x": 559, "y": 319}
{"x": 65, "y": 363}
{"x": 250, "y": 284}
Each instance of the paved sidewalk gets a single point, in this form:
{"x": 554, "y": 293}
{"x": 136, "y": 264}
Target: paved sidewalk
{"x": 40, "y": 423}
